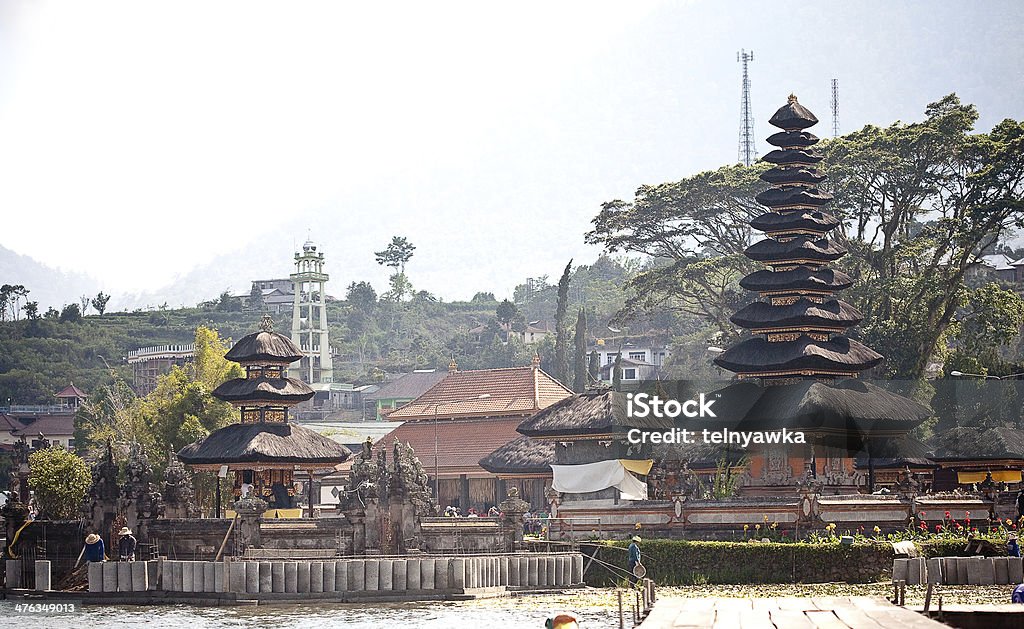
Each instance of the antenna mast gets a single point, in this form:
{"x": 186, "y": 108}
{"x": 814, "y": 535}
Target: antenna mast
{"x": 747, "y": 153}
{"x": 835, "y": 108}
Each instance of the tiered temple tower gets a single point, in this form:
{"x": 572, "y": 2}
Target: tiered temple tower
{"x": 799, "y": 368}
{"x": 264, "y": 449}
{"x": 799, "y": 322}
{"x": 309, "y": 317}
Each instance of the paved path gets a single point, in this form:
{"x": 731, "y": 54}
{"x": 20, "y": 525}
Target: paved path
{"x": 839, "y": 612}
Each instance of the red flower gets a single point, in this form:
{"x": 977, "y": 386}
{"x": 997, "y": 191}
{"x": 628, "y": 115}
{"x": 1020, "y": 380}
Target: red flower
{"x": 938, "y": 528}
{"x": 947, "y": 515}
{"x": 921, "y": 514}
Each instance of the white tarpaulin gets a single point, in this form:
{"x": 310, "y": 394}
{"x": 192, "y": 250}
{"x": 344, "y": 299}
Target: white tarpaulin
{"x": 581, "y": 479}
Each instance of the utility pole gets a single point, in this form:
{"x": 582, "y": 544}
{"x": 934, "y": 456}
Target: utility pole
{"x": 835, "y": 108}
{"x": 747, "y": 153}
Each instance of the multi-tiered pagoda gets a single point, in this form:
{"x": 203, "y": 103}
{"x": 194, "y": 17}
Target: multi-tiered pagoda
{"x": 265, "y": 449}
{"x": 799, "y": 364}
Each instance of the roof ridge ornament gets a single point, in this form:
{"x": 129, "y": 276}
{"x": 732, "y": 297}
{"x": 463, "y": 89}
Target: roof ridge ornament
{"x": 266, "y": 323}
{"x": 792, "y": 99}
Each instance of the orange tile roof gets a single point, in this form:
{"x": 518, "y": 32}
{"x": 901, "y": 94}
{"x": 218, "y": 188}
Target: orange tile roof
{"x": 71, "y": 391}
{"x": 460, "y": 443}
{"x": 512, "y": 392}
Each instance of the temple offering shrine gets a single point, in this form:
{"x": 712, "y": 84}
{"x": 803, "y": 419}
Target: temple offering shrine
{"x": 265, "y": 451}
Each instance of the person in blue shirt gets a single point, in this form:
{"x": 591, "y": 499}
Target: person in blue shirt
{"x": 634, "y": 557}
{"x": 1012, "y": 548}
{"x": 94, "y": 550}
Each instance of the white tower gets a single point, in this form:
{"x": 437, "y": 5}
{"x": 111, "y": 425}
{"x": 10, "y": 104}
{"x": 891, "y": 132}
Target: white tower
{"x": 309, "y": 317}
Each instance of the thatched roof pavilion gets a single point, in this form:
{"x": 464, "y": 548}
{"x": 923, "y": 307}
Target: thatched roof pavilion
{"x": 265, "y": 449}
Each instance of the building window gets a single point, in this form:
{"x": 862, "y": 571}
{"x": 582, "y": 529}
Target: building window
{"x": 629, "y": 374}
{"x": 638, "y": 356}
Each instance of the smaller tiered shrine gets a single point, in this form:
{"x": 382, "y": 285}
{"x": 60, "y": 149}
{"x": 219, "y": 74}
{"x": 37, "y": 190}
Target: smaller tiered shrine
{"x": 265, "y": 450}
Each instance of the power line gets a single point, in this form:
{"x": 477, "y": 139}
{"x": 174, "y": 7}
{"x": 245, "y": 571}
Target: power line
{"x": 747, "y": 152}
{"x": 835, "y": 108}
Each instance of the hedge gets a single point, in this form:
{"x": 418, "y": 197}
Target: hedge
{"x": 682, "y": 562}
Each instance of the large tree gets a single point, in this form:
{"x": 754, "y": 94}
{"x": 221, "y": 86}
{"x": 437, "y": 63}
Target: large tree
{"x": 59, "y": 480}
{"x": 579, "y": 382}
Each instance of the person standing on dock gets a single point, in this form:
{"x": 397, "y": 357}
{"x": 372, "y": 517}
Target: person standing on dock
{"x": 94, "y": 549}
{"x": 634, "y": 558}
{"x": 126, "y": 544}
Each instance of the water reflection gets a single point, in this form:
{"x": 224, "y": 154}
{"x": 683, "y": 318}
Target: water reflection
{"x": 498, "y": 613}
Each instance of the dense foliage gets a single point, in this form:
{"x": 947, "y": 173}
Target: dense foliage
{"x": 59, "y": 479}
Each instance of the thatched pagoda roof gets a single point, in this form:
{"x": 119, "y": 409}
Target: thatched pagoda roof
{"x": 264, "y": 443}
{"x": 851, "y": 407}
{"x": 791, "y": 139}
{"x": 782, "y": 197}
{"x": 264, "y": 346}
{"x": 838, "y": 354}
{"x": 803, "y": 175}
{"x": 785, "y": 157}
{"x": 521, "y": 456}
{"x": 965, "y": 442}
{"x": 800, "y": 278}
{"x": 801, "y": 247}
{"x": 808, "y": 220}
{"x": 793, "y": 116}
{"x": 263, "y": 389}
{"x": 896, "y": 453}
{"x": 590, "y": 413}
{"x": 803, "y": 312}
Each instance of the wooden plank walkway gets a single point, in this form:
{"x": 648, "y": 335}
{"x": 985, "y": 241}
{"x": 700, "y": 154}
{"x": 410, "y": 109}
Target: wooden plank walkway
{"x": 838, "y": 612}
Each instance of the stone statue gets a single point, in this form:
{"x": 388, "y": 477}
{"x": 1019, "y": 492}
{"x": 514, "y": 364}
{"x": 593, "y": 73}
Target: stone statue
{"x": 178, "y": 495}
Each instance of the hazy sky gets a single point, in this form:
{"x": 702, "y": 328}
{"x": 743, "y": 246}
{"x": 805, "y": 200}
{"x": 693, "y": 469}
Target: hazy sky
{"x": 139, "y": 141}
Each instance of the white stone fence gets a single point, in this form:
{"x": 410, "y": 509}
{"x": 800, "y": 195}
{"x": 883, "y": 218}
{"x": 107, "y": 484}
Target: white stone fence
{"x": 374, "y": 576}
{"x": 959, "y": 570}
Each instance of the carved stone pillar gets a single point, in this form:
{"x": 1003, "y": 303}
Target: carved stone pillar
{"x": 512, "y": 510}
{"x": 249, "y": 511}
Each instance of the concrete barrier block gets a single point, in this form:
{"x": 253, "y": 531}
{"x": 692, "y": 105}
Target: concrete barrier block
{"x": 124, "y": 576}
{"x": 503, "y": 570}
{"x": 96, "y": 576}
{"x": 329, "y": 576}
{"x": 372, "y": 571}
{"x": 1000, "y": 570}
{"x": 1015, "y": 570}
{"x": 412, "y": 574}
{"x": 109, "y": 576}
{"x": 442, "y": 575}
{"x": 533, "y": 572}
{"x": 900, "y": 569}
{"x": 386, "y": 575}
{"x": 913, "y": 571}
{"x": 427, "y": 573}
{"x": 458, "y": 574}
{"x": 42, "y": 575}
{"x": 341, "y": 576}
{"x": 155, "y": 569}
{"x": 236, "y": 577}
{"x": 577, "y": 569}
{"x": 291, "y": 577}
{"x": 302, "y": 577}
{"x": 277, "y": 576}
{"x": 962, "y": 568}
{"x": 542, "y": 572}
{"x": 934, "y": 569}
{"x": 13, "y": 568}
{"x": 220, "y": 576}
{"x": 316, "y": 576}
{"x": 398, "y": 575}
{"x": 356, "y": 575}
{"x": 252, "y": 577}
{"x": 188, "y": 576}
{"x": 470, "y": 572}
{"x": 980, "y": 571}
{"x": 266, "y": 577}
{"x": 139, "y": 576}
{"x": 199, "y": 576}
{"x": 513, "y": 570}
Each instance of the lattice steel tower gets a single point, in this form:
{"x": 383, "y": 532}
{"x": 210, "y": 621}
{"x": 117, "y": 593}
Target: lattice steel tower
{"x": 835, "y": 108}
{"x": 747, "y": 153}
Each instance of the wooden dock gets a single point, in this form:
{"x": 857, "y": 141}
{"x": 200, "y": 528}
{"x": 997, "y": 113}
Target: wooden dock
{"x": 838, "y": 612}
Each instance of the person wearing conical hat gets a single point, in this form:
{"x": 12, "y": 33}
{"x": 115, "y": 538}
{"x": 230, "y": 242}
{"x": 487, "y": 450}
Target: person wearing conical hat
{"x": 126, "y": 544}
{"x": 94, "y": 549}
{"x": 561, "y": 621}
{"x": 634, "y": 558}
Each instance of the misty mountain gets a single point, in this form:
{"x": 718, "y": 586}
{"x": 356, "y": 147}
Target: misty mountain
{"x": 47, "y": 285}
